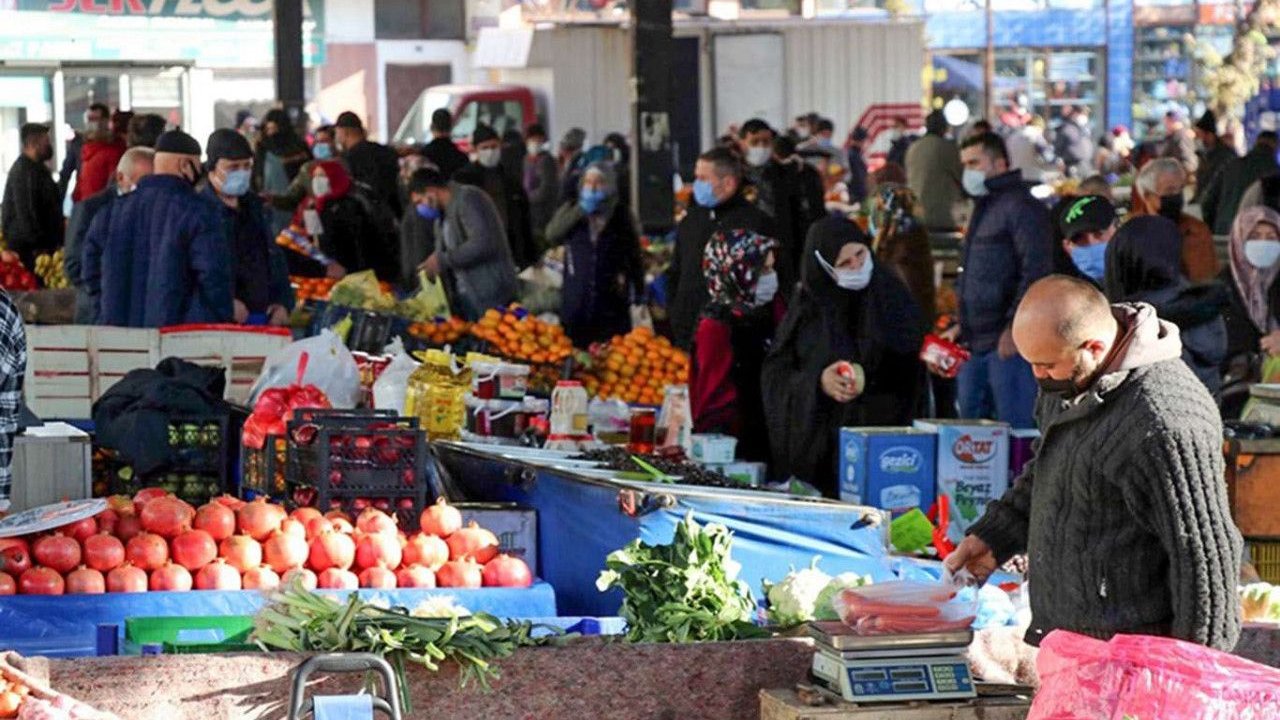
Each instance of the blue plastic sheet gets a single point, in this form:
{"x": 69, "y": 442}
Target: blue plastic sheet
{"x": 66, "y": 625}
{"x": 581, "y": 521}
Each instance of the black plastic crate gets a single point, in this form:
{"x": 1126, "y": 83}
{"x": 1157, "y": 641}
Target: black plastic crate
{"x": 370, "y": 331}
{"x": 263, "y": 471}
{"x": 204, "y": 453}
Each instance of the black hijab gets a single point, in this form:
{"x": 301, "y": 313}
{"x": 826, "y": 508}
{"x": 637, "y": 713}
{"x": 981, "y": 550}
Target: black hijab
{"x": 1144, "y": 256}
{"x": 286, "y": 141}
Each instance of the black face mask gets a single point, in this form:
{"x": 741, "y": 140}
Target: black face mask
{"x": 1065, "y": 388}
{"x": 1171, "y": 206}
{"x": 46, "y": 154}
{"x": 192, "y": 173}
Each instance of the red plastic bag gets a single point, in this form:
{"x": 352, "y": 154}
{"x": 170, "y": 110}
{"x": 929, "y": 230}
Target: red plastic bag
{"x": 903, "y": 607}
{"x": 1149, "y": 678}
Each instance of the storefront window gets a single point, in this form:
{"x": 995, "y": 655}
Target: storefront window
{"x": 1048, "y": 82}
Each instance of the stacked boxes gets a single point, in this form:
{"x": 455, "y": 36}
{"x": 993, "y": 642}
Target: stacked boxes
{"x": 888, "y": 468}
{"x": 973, "y": 467}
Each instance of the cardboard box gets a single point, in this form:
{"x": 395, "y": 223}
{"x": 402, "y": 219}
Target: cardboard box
{"x": 973, "y": 467}
{"x": 515, "y": 526}
{"x": 713, "y": 449}
{"x": 892, "y": 469}
{"x": 750, "y": 474}
{"x": 1020, "y": 451}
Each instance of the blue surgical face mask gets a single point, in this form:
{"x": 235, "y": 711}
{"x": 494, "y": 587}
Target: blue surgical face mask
{"x": 236, "y": 182}
{"x": 704, "y": 194}
{"x": 1090, "y": 259}
{"x": 766, "y": 288}
{"x": 428, "y": 212}
{"x": 322, "y": 151}
{"x": 591, "y": 200}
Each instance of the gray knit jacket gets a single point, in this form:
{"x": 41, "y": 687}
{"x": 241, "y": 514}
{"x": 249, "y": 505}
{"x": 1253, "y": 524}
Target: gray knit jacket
{"x": 1123, "y": 512}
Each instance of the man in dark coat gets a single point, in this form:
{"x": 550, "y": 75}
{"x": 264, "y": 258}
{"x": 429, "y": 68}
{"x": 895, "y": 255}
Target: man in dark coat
{"x": 372, "y": 164}
{"x": 541, "y": 180}
{"x": 441, "y": 151}
{"x": 777, "y": 189}
{"x": 488, "y": 174}
{"x": 1124, "y": 509}
{"x": 857, "y": 165}
{"x": 164, "y": 258}
{"x": 261, "y": 279}
{"x": 31, "y": 215}
{"x": 1007, "y": 247}
{"x": 1073, "y": 143}
{"x": 718, "y": 207}
{"x": 1214, "y": 154}
{"x": 1221, "y": 199}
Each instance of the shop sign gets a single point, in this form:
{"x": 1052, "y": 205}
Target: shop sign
{"x": 208, "y": 9}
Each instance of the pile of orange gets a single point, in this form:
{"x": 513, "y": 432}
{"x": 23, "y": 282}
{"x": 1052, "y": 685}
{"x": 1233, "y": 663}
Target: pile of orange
{"x": 440, "y": 332}
{"x": 517, "y": 334}
{"x": 309, "y": 288}
{"x": 636, "y": 367}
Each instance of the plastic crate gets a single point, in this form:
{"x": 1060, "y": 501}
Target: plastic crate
{"x": 369, "y": 332}
{"x": 191, "y": 634}
{"x": 1265, "y": 556}
{"x": 263, "y": 471}
{"x": 205, "y": 454}
{"x": 240, "y": 350}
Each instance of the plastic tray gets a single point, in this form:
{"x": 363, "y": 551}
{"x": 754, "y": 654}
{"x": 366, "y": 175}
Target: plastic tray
{"x": 190, "y": 635}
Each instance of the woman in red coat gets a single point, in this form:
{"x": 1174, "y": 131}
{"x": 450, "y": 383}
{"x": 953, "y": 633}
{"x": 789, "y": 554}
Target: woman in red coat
{"x": 732, "y": 338}
{"x": 102, "y": 151}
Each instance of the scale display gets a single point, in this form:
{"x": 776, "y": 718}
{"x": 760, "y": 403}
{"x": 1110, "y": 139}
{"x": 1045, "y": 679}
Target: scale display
{"x": 913, "y": 680}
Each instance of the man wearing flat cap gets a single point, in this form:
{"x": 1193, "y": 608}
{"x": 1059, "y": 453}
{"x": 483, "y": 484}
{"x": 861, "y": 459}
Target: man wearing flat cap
{"x": 164, "y": 257}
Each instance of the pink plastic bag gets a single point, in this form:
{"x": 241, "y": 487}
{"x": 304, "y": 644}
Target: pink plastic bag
{"x": 1137, "y": 677}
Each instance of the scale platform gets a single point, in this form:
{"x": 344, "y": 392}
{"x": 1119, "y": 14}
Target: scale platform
{"x": 892, "y": 668}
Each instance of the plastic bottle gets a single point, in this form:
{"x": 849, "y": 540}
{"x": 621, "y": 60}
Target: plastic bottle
{"x": 435, "y": 395}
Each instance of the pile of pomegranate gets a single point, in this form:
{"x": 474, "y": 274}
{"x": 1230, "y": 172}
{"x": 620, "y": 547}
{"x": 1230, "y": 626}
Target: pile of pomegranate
{"x": 155, "y": 541}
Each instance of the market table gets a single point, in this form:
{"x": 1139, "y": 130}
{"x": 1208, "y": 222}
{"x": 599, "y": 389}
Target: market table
{"x": 583, "y": 515}
{"x": 66, "y": 625}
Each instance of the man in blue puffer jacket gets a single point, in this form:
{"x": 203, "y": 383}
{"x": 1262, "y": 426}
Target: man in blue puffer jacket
{"x": 164, "y": 259}
{"x": 1008, "y": 246}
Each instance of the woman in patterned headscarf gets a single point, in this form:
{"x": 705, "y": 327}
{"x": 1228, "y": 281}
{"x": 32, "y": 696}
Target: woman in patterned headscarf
{"x": 901, "y": 242}
{"x": 732, "y": 338}
{"x": 1253, "y": 274}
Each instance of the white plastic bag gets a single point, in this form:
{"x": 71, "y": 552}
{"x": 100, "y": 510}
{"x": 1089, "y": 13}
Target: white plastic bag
{"x": 904, "y": 607}
{"x": 393, "y": 384}
{"x": 330, "y": 367}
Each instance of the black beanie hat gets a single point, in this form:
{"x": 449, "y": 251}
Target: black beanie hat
{"x": 483, "y": 133}
{"x": 226, "y": 144}
{"x": 179, "y": 143}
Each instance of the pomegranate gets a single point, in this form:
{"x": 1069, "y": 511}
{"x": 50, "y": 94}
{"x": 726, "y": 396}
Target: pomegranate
{"x": 293, "y": 527}
{"x": 427, "y": 550}
{"x": 145, "y": 496}
{"x": 373, "y": 520}
{"x": 317, "y": 525}
{"x": 342, "y": 525}
{"x": 259, "y": 519}
{"x": 474, "y": 542}
{"x": 441, "y": 519}
{"x": 147, "y": 551}
{"x": 15, "y": 560}
{"x": 127, "y": 527}
{"x": 304, "y": 577}
{"x": 305, "y": 515}
{"x": 122, "y": 504}
{"x": 378, "y": 578}
{"x": 260, "y": 578}
{"x": 218, "y": 575}
{"x": 507, "y": 571}
{"x": 241, "y": 552}
{"x": 415, "y": 576}
{"x": 216, "y": 519}
{"x": 57, "y": 552}
{"x": 85, "y": 581}
{"x": 127, "y": 579}
{"x": 14, "y": 542}
{"x": 231, "y": 501}
{"x": 337, "y": 579}
{"x": 41, "y": 581}
{"x": 107, "y": 520}
{"x": 336, "y": 514}
{"x": 285, "y": 551}
{"x": 465, "y": 573}
{"x": 193, "y": 549}
{"x": 81, "y": 529}
{"x": 103, "y": 552}
{"x": 7, "y": 585}
{"x": 332, "y": 550}
{"x": 167, "y": 516}
{"x": 170, "y": 578}
{"x": 378, "y": 549}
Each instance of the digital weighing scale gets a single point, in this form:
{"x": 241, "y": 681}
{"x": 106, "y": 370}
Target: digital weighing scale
{"x": 891, "y": 668}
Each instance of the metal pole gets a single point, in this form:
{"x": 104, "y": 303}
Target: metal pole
{"x": 989, "y": 67}
{"x": 288, "y": 42}
{"x": 652, "y": 167}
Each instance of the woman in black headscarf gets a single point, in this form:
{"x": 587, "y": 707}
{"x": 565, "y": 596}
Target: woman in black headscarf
{"x": 1144, "y": 264}
{"x": 846, "y": 354}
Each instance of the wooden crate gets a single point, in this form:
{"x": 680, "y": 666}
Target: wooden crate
{"x": 786, "y": 705}
{"x": 239, "y": 350}
{"x": 70, "y": 366}
{"x": 1253, "y": 482}
{"x": 51, "y": 463}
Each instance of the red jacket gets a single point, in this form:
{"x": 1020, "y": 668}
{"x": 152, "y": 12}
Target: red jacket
{"x": 724, "y": 389}
{"x": 98, "y": 161}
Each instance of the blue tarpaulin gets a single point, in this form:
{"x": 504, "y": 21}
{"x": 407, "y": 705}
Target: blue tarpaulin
{"x": 581, "y": 520}
{"x": 66, "y": 625}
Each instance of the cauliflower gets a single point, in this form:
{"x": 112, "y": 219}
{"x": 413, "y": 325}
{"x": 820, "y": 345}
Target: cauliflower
{"x": 824, "y": 608}
{"x": 1260, "y": 602}
{"x": 791, "y": 602}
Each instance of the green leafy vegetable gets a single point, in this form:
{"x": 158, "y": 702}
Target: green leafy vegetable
{"x": 685, "y": 591}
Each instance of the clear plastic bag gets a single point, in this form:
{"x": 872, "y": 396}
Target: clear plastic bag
{"x": 392, "y": 385}
{"x": 904, "y": 607}
{"x": 330, "y": 367}
{"x": 1149, "y": 678}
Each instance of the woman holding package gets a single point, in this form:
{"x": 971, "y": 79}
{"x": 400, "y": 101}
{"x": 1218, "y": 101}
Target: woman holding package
{"x": 847, "y": 353}
{"x": 732, "y": 338}
{"x": 332, "y": 232}
{"x": 603, "y": 275}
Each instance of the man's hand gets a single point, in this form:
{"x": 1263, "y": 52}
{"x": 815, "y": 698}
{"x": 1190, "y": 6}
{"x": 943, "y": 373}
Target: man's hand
{"x": 335, "y": 271}
{"x": 431, "y": 266}
{"x": 838, "y": 387}
{"x": 277, "y": 316}
{"x": 1005, "y": 348}
{"x": 1271, "y": 343}
{"x": 240, "y": 312}
{"x": 951, "y": 334}
{"x": 975, "y": 556}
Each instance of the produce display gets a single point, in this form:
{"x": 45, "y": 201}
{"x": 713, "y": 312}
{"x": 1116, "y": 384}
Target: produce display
{"x": 13, "y": 275}
{"x": 903, "y": 608}
{"x": 194, "y": 473}
{"x": 275, "y": 407}
{"x": 670, "y": 465}
{"x": 684, "y": 591}
{"x": 363, "y": 290}
{"x": 440, "y": 332}
{"x": 154, "y": 541}
{"x": 308, "y": 288}
{"x": 807, "y": 594}
{"x": 50, "y": 270}
{"x": 515, "y": 333}
{"x": 1260, "y": 603}
{"x": 636, "y": 367}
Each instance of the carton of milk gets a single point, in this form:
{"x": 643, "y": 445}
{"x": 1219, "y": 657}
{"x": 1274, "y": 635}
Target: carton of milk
{"x": 888, "y": 468}
{"x": 973, "y": 467}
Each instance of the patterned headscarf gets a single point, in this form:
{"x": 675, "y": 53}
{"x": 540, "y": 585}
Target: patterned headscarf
{"x": 1253, "y": 284}
{"x": 732, "y": 263}
{"x": 893, "y": 212}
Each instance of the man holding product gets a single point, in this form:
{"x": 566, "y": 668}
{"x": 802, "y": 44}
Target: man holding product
{"x": 1123, "y": 512}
